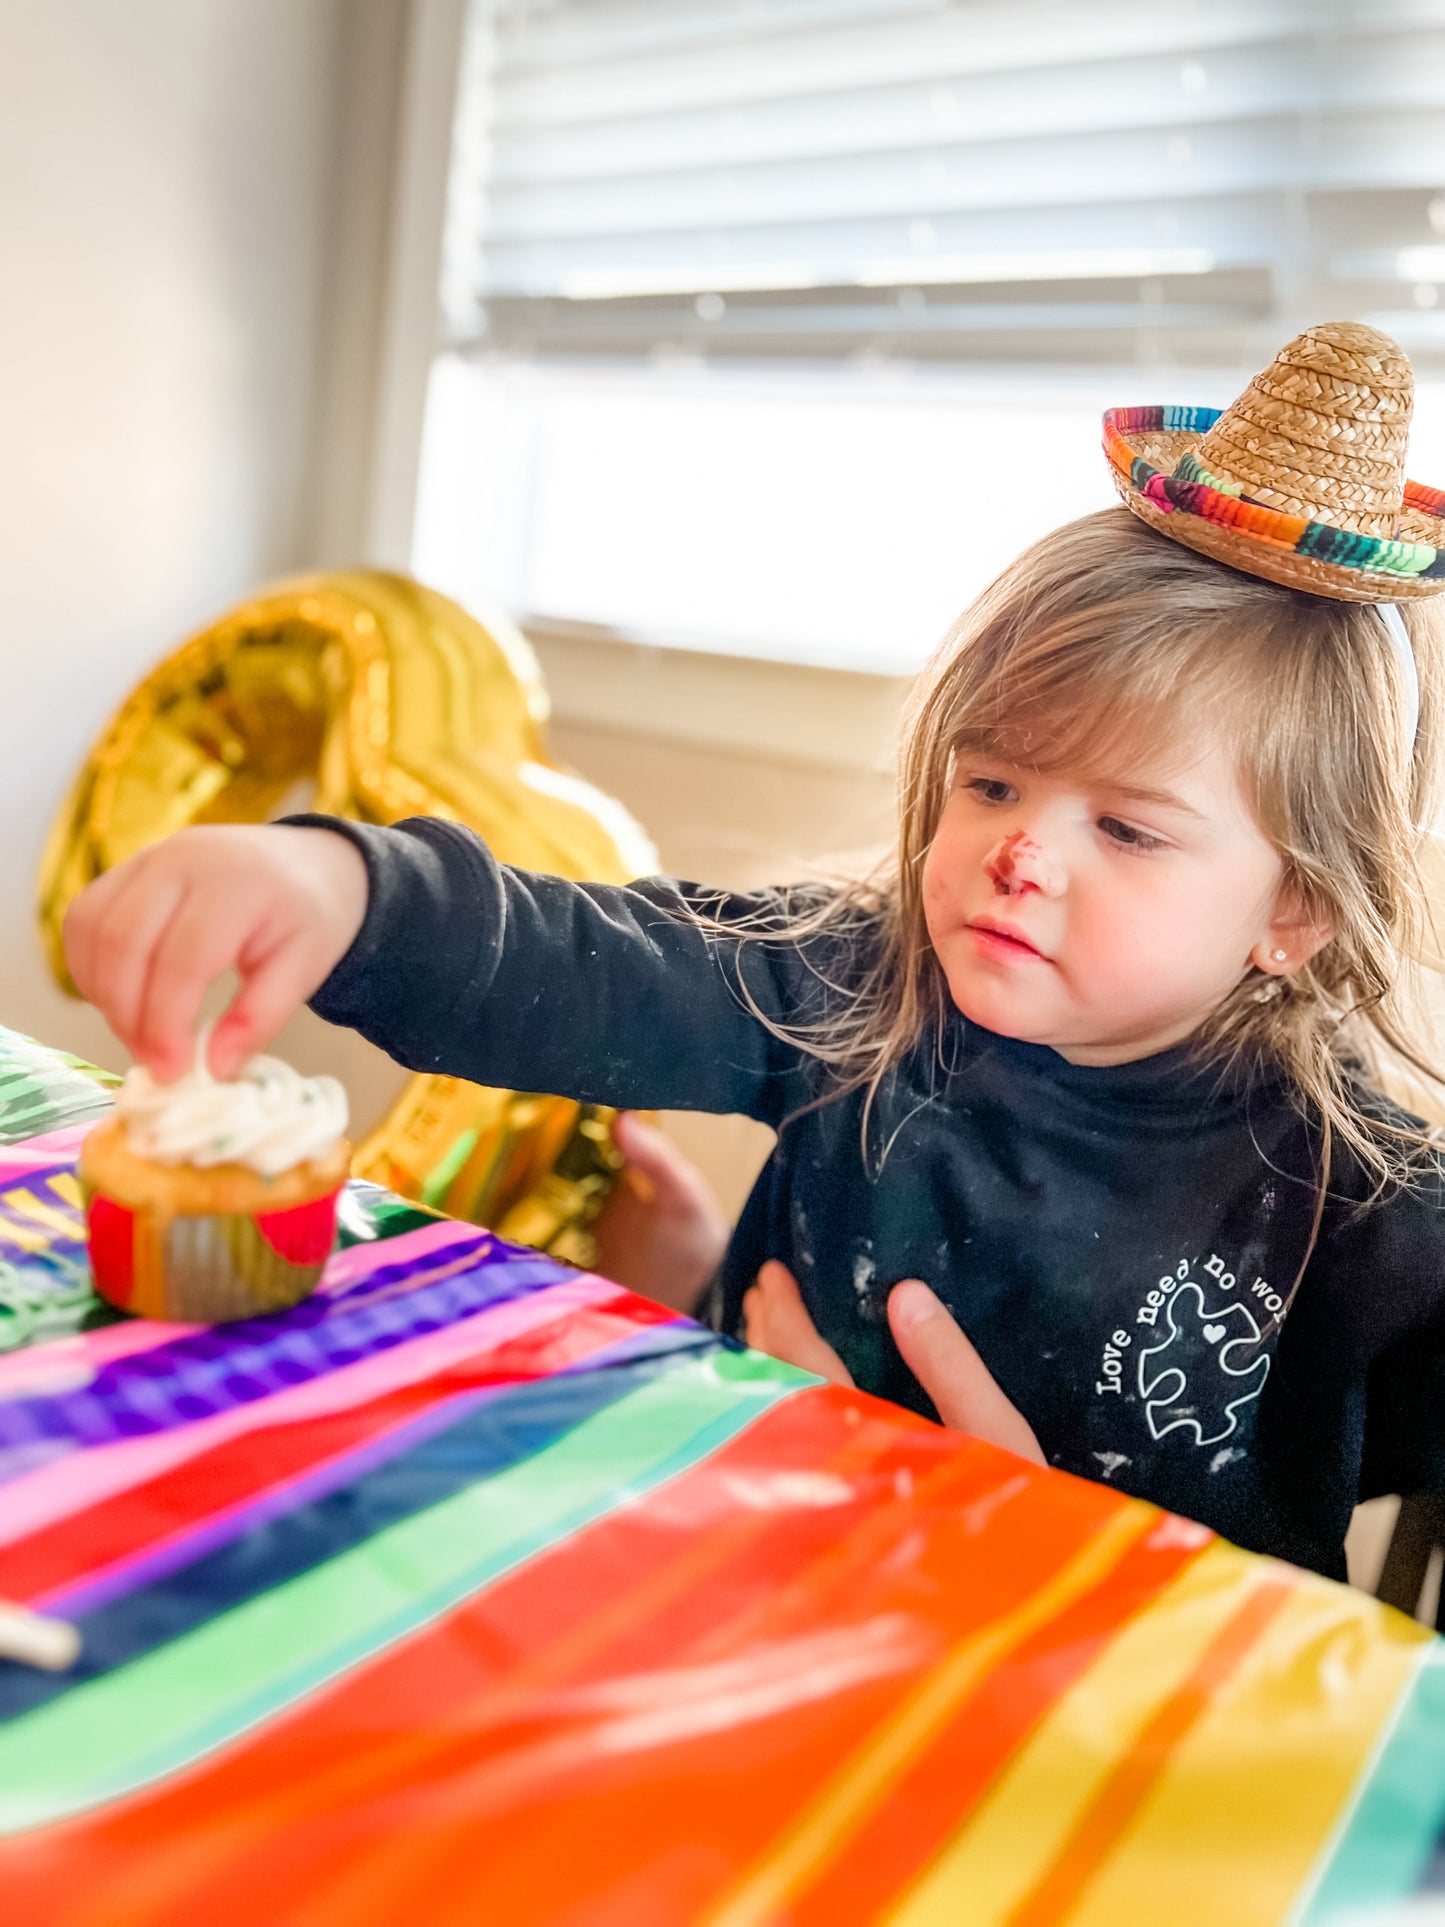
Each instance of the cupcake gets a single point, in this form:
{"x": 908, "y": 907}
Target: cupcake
{"x": 208, "y": 1201}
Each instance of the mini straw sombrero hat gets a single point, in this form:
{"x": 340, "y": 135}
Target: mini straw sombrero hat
{"x": 1302, "y": 480}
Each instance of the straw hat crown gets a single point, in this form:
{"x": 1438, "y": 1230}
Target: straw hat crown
{"x": 1322, "y": 431}
{"x": 1302, "y": 479}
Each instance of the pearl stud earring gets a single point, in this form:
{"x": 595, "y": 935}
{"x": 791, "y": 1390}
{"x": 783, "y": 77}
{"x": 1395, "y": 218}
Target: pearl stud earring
{"x": 1280, "y": 955}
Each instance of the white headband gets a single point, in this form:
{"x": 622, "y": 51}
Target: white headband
{"x": 1400, "y": 642}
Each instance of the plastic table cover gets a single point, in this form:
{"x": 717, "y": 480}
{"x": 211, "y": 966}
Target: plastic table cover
{"x": 475, "y": 1588}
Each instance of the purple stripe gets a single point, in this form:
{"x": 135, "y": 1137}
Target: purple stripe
{"x": 86, "y": 1595}
{"x": 220, "y": 1367}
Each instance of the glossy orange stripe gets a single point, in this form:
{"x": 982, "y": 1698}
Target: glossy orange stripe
{"x": 1110, "y": 1814}
{"x": 463, "y": 1769}
{"x": 922, "y": 1812}
{"x": 665, "y": 1827}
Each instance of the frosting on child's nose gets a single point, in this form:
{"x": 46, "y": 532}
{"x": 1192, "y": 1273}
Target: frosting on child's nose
{"x": 1017, "y": 864}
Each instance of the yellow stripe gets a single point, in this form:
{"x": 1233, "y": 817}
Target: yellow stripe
{"x": 1017, "y": 1830}
{"x": 1105, "y": 1825}
{"x": 868, "y": 1777}
{"x": 64, "y": 1186}
{"x": 1249, "y": 1798}
{"x": 28, "y": 1237}
{"x": 55, "y": 1221}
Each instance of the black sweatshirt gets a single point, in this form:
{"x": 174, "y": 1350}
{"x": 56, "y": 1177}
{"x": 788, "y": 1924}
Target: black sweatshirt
{"x": 1116, "y": 1242}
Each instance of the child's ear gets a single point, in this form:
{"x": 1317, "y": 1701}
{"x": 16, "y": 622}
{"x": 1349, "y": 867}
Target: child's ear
{"x": 1292, "y": 936}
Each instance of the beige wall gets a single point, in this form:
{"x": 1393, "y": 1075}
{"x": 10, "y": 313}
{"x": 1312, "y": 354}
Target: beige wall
{"x": 164, "y": 173}
{"x": 194, "y": 196}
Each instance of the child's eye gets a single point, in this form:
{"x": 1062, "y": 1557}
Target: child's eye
{"x": 992, "y": 789}
{"x": 1128, "y": 837}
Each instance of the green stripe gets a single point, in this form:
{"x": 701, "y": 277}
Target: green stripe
{"x": 158, "y": 1714}
{"x": 436, "y": 1185}
{"x": 1406, "y": 558}
{"x": 1397, "y": 1818}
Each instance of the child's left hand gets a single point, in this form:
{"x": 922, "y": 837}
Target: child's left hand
{"x": 929, "y": 1337}
{"x": 661, "y": 1231}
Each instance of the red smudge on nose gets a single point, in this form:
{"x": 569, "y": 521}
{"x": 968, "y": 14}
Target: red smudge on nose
{"x": 1000, "y": 863}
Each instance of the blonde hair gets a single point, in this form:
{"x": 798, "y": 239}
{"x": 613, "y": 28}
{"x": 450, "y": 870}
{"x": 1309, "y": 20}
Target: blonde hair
{"x": 1106, "y": 636}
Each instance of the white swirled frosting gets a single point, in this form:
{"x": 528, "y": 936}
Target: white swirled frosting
{"x": 269, "y": 1118}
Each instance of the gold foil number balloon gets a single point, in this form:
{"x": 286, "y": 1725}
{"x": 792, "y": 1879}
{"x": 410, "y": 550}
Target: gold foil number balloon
{"x": 366, "y": 695}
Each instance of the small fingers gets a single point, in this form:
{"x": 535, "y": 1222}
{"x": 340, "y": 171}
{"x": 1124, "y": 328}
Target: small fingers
{"x": 949, "y": 1369}
{"x": 648, "y": 1154}
{"x": 272, "y": 991}
{"x": 116, "y": 943}
{"x": 785, "y": 1329}
{"x": 664, "y": 1177}
{"x": 144, "y": 944}
{"x": 197, "y": 944}
{"x": 82, "y": 920}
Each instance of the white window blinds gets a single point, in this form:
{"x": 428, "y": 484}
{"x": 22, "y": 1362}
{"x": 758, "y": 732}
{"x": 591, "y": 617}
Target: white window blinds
{"x": 988, "y": 179}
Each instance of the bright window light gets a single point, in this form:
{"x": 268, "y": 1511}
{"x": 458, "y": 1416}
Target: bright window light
{"x": 836, "y": 518}
{"x": 1421, "y": 264}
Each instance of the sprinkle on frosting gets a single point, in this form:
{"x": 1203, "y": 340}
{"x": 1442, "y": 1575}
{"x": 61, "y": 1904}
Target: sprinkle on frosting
{"x": 269, "y": 1118}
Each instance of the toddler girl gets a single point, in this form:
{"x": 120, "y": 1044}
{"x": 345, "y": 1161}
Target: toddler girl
{"x": 1091, "y": 1055}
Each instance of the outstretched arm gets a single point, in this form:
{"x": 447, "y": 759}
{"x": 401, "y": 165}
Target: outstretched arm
{"x": 613, "y": 994}
{"x": 450, "y": 961}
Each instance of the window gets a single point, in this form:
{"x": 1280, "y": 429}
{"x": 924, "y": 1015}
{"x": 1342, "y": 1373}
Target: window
{"x": 778, "y": 326}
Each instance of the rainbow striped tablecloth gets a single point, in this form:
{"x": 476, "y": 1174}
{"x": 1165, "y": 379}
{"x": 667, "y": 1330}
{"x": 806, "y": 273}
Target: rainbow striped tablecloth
{"x": 476, "y": 1589}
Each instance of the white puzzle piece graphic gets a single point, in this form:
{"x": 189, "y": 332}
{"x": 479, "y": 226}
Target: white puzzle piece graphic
{"x": 1213, "y": 1371}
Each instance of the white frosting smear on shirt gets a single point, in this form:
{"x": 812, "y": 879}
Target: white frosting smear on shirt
{"x": 269, "y": 1118}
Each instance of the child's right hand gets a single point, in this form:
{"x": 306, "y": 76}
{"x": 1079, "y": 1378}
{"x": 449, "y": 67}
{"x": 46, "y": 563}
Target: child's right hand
{"x": 934, "y": 1347}
{"x": 279, "y": 905}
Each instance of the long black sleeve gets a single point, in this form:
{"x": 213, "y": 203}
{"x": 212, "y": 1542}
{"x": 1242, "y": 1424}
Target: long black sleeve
{"x": 606, "y": 993}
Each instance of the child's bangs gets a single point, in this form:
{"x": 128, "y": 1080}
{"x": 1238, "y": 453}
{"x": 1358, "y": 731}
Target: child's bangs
{"x": 1109, "y": 711}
